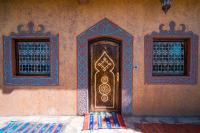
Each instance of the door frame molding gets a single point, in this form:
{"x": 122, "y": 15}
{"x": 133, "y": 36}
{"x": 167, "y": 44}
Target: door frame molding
{"x": 104, "y": 29}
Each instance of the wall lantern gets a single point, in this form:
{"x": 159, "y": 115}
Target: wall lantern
{"x": 166, "y": 4}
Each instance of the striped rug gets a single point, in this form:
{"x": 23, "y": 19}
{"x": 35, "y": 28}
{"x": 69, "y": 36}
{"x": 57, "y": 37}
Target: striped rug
{"x": 32, "y": 127}
{"x": 103, "y": 120}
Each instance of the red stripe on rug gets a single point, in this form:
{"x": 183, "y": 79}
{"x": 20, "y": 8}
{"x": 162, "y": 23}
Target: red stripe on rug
{"x": 18, "y": 128}
{"x": 34, "y": 126}
{"x": 37, "y": 131}
{"x": 103, "y": 121}
{"x": 95, "y": 123}
{"x": 27, "y": 127}
{"x": 47, "y": 128}
{"x": 86, "y": 122}
{"x": 112, "y": 121}
{"x": 10, "y": 127}
{"x": 54, "y": 129}
{"x": 121, "y": 121}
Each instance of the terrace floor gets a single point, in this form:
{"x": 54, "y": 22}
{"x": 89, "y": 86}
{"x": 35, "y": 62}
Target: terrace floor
{"x": 134, "y": 124}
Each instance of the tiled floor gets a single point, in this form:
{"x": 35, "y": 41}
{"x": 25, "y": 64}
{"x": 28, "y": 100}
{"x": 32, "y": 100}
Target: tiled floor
{"x": 74, "y": 124}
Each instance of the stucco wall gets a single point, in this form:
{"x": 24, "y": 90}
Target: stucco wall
{"x": 69, "y": 18}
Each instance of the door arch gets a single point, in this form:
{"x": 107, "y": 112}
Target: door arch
{"x": 104, "y": 28}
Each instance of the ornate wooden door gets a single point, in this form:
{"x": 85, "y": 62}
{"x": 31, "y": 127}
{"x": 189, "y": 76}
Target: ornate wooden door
{"x": 104, "y": 62}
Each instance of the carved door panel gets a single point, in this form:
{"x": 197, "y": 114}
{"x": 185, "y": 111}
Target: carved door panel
{"x": 104, "y": 62}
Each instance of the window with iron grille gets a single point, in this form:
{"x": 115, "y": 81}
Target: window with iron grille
{"x": 33, "y": 58}
{"x": 169, "y": 58}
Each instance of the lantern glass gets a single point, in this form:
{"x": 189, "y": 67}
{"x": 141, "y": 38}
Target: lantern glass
{"x": 166, "y": 4}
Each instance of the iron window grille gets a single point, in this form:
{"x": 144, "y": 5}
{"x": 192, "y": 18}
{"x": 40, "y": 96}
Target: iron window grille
{"x": 169, "y": 58}
{"x": 33, "y": 57}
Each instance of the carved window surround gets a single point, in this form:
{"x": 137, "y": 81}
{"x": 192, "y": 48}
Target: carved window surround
{"x": 191, "y": 40}
{"x": 29, "y": 35}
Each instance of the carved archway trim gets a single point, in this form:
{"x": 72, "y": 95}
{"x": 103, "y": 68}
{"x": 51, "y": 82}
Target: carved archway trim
{"x": 104, "y": 28}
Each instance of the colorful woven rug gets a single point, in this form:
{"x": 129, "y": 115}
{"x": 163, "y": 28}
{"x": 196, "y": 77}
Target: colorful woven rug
{"x": 103, "y": 120}
{"x": 32, "y": 127}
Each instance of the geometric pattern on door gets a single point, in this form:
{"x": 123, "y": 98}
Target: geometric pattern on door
{"x": 104, "y": 75}
{"x": 104, "y": 63}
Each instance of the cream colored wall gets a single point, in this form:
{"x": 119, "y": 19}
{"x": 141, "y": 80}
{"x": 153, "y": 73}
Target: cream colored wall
{"x": 69, "y": 18}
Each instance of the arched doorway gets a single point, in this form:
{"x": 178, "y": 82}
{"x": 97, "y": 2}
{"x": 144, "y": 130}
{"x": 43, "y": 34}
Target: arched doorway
{"x": 104, "y": 29}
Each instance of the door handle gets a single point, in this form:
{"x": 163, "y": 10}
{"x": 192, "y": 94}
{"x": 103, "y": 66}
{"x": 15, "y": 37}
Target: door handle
{"x": 117, "y": 76}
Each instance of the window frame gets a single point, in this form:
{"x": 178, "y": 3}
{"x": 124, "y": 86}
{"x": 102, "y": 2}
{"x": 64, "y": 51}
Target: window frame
{"x": 10, "y": 77}
{"x": 192, "y": 55}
